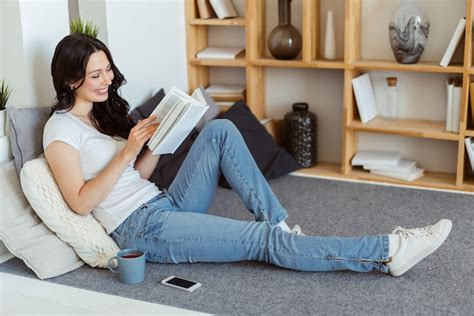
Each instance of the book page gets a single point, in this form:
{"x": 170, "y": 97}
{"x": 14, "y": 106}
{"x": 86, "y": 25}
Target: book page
{"x": 168, "y": 102}
{"x": 177, "y": 113}
{"x": 167, "y": 122}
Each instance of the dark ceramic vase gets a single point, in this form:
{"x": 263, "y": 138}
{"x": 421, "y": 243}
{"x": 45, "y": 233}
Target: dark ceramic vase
{"x": 301, "y": 127}
{"x": 284, "y": 41}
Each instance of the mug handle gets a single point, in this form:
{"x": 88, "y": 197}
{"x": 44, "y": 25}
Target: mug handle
{"x": 109, "y": 265}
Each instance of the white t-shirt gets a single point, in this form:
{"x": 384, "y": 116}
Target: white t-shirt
{"x": 96, "y": 150}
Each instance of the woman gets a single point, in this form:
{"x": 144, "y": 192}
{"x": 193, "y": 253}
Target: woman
{"x": 95, "y": 153}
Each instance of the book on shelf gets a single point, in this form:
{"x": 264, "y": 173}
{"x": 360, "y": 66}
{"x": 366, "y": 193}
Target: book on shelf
{"x": 388, "y": 164}
{"x": 385, "y": 158}
{"x": 224, "y": 8}
{"x": 223, "y": 89}
{"x": 457, "y": 98}
{"x": 469, "y": 141}
{"x": 453, "y": 104}
{"x": 453, "y": 43}
{"x": 177, "y": 114}
{"x": 403, "y": 166}
{"x": 413, "y": 174}
{"x": 449, "y": 104}
{"x": 221, "y": 52}
{"x": 205, "y": 10}
{"x": 365, "y": 98}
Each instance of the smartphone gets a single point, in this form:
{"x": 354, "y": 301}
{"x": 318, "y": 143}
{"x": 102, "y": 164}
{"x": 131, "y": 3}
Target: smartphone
{"x": 181, "y": 284}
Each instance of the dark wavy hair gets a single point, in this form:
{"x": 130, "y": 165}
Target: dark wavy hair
{"x": 69, "y": 66}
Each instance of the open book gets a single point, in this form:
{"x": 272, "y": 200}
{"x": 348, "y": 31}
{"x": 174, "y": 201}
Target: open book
{"x": 177, "y": 114}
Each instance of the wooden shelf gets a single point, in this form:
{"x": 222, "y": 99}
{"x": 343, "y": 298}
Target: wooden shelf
{"x": 218, "y": 22}
{"x": 394, "y": 66}
{"x": 238, "y": 62}
{"x": 254, "y": 65}
{"x": 469, "y": 184}
{"x": 329, "y": 64}
{"x": 270, "y": 62}
{"x": 406, "y": 127}
{"x": 431, "y": 179}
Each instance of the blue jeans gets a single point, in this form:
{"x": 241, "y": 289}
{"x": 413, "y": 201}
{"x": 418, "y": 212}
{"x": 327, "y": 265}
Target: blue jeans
{"x": 173, "y": 227}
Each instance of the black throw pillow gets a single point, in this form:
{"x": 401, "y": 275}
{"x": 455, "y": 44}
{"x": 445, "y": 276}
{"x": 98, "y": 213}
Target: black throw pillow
{"x": 272, "y": 160}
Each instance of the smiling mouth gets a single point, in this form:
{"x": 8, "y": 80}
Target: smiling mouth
{"x": 102, "y": 91}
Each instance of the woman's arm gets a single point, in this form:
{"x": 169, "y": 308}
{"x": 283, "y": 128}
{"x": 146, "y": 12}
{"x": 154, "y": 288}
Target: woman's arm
{"x": 146, "y": 163}
{"x": 83, "y": 196}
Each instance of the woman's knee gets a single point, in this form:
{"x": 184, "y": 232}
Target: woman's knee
{"x": 219, "y": 127}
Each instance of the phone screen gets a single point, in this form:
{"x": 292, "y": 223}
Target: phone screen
{"x": 181, "y": 282}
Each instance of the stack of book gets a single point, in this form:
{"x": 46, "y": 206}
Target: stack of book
{"x": 225, "y": 95}
{"x": 210, "y": 8}
{"x": 453, "y": 104}
{"x": 388, "y": 164}
{"x": 470, "y": 150}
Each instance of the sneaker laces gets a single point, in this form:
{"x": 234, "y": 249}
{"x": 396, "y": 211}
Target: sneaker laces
{"x": 297, "y": 230}
{"x": 414, "y": 232}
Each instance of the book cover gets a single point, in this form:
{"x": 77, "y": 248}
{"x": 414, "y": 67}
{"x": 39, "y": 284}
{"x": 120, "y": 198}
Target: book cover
{"x": 224, "y": 8}
{"x": 449, "y": 104}
{"x": 205, "y": 10}
{"x": 470, "y": 150}
{"x": 365, "y": 98}
{"x": 404, "y": 166}
{"x": 456, "y": 109}
{"x": 220, "y": 52}
{"x": 385, "y": 158}
{"x": 453, "y": 43}
{"x": 411, "y": 176}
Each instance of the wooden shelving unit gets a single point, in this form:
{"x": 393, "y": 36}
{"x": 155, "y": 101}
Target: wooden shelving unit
{"x": 255, "y": 62}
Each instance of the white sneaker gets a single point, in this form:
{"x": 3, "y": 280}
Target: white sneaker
{"x": 416, "y": 244}
{"x": 297, "y": 230}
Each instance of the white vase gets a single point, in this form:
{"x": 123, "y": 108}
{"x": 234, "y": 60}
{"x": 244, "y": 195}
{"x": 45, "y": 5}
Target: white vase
{"x": 3, "y": 121}
{"x": 330, "y": 40}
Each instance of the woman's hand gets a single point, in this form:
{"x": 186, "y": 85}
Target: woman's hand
{"x": 138, "y": 136}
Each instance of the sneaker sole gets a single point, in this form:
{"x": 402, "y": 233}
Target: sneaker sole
{"x": 407, "y": 266}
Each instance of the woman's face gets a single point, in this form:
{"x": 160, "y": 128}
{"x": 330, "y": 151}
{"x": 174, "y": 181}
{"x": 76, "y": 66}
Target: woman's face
{"x": 98, "y": 78}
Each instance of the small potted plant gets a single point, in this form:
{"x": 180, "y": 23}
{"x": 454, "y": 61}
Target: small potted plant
{"x": 5, "y": 92}
{"x": 86, "y": 27}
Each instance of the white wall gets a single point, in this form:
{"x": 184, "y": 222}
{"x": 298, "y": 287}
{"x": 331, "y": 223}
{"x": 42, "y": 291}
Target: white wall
{"x": 95, "y": 11}
{"x": 147, "y": 41}
{"x": 32, "y": 30}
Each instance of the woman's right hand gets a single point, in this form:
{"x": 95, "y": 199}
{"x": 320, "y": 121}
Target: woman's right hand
{"x": 138, "y": 136}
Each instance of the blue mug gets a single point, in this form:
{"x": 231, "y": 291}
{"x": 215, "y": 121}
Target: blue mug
{"x": 130, "y": 265}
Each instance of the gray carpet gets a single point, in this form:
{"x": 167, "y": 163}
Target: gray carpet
{"x": 442, "y": 284}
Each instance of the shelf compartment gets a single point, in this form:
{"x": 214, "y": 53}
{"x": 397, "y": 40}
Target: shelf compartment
{"x": 430, "y": 179}
{"x": 394, "y": 66}
{"x": 238, "y": 62}
{"x": 406, "y": 127}
{"x": 218, "y": 22}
